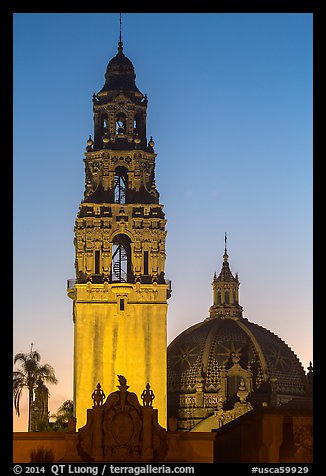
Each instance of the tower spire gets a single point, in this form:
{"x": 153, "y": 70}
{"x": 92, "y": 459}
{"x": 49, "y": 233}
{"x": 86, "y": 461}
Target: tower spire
{"x": 120, "y": 44}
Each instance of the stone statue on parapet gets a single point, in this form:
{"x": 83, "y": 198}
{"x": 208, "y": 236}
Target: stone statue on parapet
{"x": 98, "y": 395}
{"x": 147, "y": 396}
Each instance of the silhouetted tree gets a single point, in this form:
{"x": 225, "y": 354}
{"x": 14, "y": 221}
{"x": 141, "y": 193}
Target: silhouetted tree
{"x": 65, "y": 411}
{"x": 27, "y": 375}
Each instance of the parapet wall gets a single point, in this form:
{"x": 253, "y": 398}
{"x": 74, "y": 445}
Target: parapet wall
{"x": 184, "y": 447}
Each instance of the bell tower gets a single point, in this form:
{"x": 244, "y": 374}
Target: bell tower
{"x": 120, "y": 292}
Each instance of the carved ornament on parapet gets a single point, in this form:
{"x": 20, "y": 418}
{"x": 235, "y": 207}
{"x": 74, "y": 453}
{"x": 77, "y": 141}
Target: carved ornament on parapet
{"x": 97, "y": 235}
{"x": 115, "y": 430}
{"x": 121, "y": 160}
{"x": 146, "y": 167}
{"x": 148, "y": 294}
{"x": 122, "y": 226}
{"x": 96, "y": 294}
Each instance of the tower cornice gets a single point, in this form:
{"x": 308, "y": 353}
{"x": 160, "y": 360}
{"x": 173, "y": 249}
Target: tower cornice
{"x": 110, "y": 153}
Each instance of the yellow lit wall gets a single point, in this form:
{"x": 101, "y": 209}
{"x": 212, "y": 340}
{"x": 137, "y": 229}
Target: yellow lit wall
{"x": 111, "y": 342}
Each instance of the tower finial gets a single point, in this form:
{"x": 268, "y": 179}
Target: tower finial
{"x": 120, "y": 47}
{"x": 225, "y": 238}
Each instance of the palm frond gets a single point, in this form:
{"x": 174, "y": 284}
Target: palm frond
{"x": 47, "y": 372}
{"x": 18, "y": 385}
{"x": 18, "y": 382}
{"x": 35, "y": 355}
{"x": 20, "y": 356}
{"x": 17, "y": 374}
{"x": 67, "y": 408}
{"x": 17, "y": 395}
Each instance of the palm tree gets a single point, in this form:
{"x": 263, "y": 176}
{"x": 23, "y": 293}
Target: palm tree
{"x": 65, "y": 411}
{"x": 27, "y": 376}
{"x": 60, "y": 419}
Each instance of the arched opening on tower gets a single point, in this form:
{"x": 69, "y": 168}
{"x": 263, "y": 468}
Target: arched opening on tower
{"x": 219, "y": 299}
{"x": 105, "y": 123}
{"x": 120, "y": 184}
{"x": 121, "y": 259}
{"x": 121, "y": 124}
{"x": 137, "y": 124}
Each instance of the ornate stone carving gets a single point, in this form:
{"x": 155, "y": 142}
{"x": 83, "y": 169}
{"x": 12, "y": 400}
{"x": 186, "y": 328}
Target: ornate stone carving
{"x": 222, "y": 417}
{"x": 121, "y": 429}
{"x": 94, "y": 232}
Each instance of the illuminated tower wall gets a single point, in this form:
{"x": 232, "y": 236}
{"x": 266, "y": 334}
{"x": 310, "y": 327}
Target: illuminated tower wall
{"x": 120, "y": 292}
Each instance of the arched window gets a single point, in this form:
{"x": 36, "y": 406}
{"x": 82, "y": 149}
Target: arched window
{"x": 227, "y": 297}
{"x": 121, "y": 124}
{"x": 105, "y": 123}
{"x": 120, "y": 184}
{"x": 121, "y": 259}
{"x": 219, "y": 301}
{"x": 137, "y": 124}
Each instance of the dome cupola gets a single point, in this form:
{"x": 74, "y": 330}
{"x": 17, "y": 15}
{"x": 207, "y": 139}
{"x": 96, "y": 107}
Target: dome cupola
{"x": 120, "y": 109}
{"x": 120, "y": 74}
{"x": 215, "y": 362}
{"x": 225, "y": 292}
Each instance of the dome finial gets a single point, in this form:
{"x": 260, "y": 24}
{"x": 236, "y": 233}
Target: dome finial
{"x": 120, "y": 44}
{"x": 225, "y": 249}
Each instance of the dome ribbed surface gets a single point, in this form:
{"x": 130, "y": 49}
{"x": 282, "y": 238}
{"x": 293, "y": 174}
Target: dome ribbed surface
{"x": 215, "y": 344}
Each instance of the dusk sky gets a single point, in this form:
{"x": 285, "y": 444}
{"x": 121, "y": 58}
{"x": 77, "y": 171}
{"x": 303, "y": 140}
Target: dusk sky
{"x": 230, "y": 112}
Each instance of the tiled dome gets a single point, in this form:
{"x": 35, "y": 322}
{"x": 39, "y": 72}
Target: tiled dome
{"x": 215, "y": 343}
{"x": 211, "y": 361}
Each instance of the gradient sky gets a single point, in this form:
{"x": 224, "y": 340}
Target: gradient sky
{"x": 230, "y": 111}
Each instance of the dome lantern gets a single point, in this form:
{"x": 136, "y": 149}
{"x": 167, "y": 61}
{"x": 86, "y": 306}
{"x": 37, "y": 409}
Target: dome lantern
{"x": 225, "y": 293}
